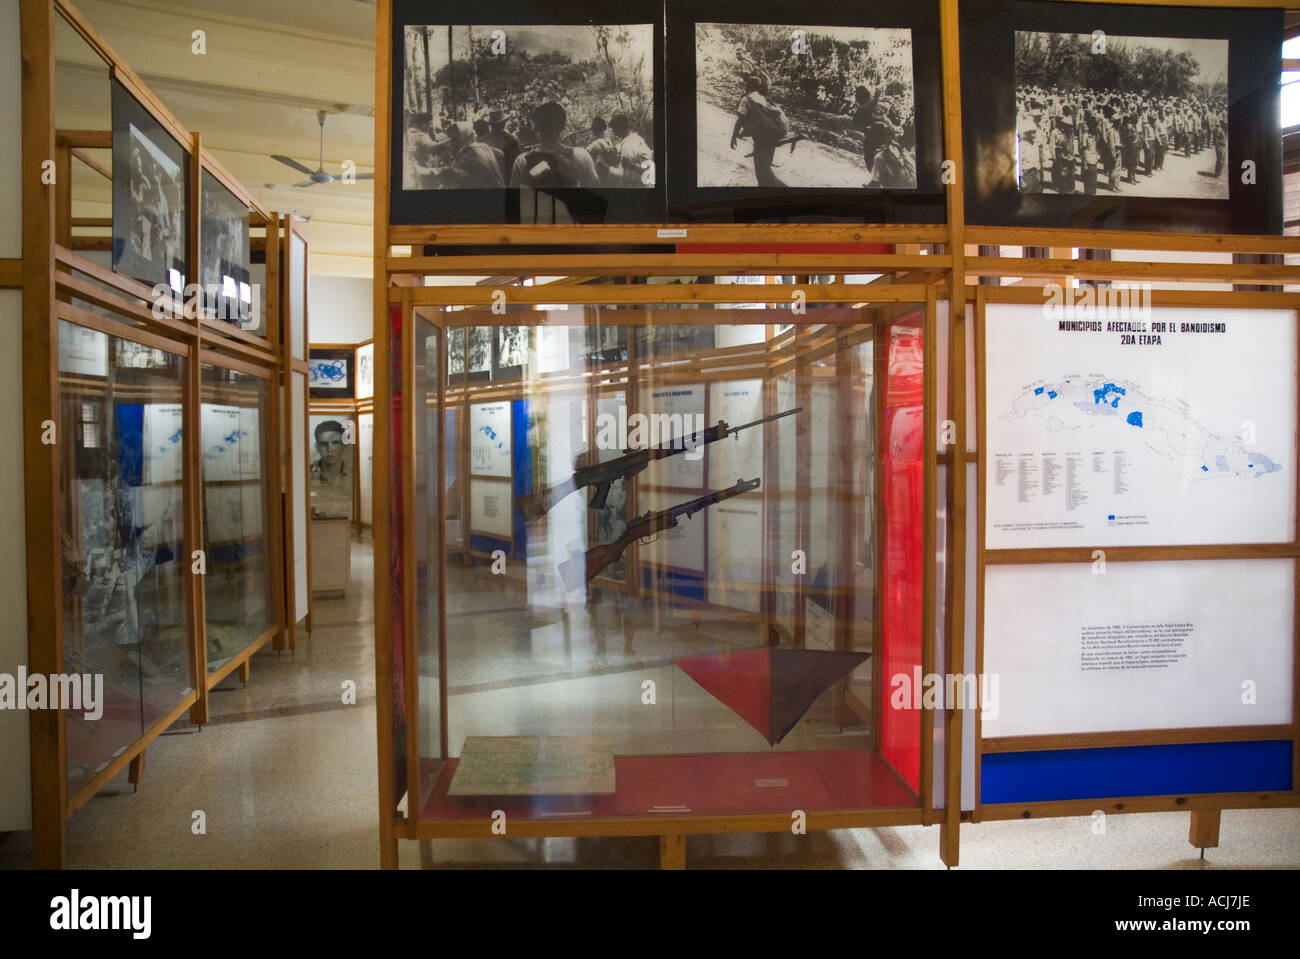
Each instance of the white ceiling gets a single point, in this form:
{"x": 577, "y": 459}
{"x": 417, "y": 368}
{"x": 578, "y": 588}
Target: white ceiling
{"x": 270, "y": 66}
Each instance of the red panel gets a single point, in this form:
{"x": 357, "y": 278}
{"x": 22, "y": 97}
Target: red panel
{"x": 741, "y": 681}
{"x": 903, "y": 494}
{"x": 717, "y": 784}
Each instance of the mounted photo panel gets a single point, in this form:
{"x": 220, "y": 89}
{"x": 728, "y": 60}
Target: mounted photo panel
{"x": 789, "y": 111}
{"x": 150, "y": 197}
{"x": 224, "y": 255}
{"x": 330, "y": 374}
{"x": 512, "y": 114}
{"x": 1105, "y": 116}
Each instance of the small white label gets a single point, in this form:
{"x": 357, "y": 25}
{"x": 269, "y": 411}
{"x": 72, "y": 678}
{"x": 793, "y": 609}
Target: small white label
{"x": 767, "y": 783}
{"x": 669, "y": 809}
{"x": 672, "y": 234}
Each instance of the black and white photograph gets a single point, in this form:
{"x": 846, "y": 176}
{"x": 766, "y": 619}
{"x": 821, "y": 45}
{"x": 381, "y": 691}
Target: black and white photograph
{"x": 480, "y": 350}
{"x": 1121, "y": 115}
{"x": 512, "y": 348}
{"x": 604, "y": 344}
{"x": 330, "y": 477}
{"x": 224, "y": 255}
{"x": 804, "y": 107}
{"x": 150, "y": 183}
{"x": 528, "y": 106}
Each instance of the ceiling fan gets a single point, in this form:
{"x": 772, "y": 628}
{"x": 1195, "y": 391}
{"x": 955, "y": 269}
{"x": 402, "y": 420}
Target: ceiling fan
{"x": 318, "y": 175}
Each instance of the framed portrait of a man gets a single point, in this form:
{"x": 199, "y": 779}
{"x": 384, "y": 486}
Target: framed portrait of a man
{"x": 330, "y": 476}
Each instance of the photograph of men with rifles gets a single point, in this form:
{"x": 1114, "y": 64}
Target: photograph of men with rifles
{"x": 804, "y": 107}
{"x": 1134, "y": 116}
{"x": 542, "y": 107}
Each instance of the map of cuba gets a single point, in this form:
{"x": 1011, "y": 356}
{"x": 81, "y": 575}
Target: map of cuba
{"x": 1163, "y": 425}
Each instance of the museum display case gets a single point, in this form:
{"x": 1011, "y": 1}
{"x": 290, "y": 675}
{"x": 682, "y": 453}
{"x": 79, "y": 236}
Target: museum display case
{"x": 154, "y": 473}
{"x": 239, "y": 602}
{"x": 647, "y": 573}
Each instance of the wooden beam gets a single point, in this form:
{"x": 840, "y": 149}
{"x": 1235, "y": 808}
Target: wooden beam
{"x": 49, "y": 747}
{"x": 1133, "y": 270}
{"x": 1131, "y": 240}
{"x": 99, "y": 168}
{"x": 668, "y": 264}
{"x": 11, "y": 274}
{"x": 755, "y": 233}
{"x": 684, "y": 293}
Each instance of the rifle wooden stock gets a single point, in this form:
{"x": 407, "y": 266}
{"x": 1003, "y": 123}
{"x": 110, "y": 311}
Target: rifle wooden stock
{"x": 535, "y": 505}
{"x": 591, "y": 564}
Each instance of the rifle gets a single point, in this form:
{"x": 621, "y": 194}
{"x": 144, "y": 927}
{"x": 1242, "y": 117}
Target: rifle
{"x": 598, "y": 557}
{"x": 535, "y": 505}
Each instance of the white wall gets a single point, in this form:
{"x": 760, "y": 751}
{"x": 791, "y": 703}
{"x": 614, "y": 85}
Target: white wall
{"x": 15, "y": 753}
{"x": 339, "y": 309}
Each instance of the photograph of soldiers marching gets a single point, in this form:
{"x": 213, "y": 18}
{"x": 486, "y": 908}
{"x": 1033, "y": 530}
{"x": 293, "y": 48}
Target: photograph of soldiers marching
{"x": 804, "y": 107}
{"x": 1133, "y": 116}
{"x": 542, "y": 107}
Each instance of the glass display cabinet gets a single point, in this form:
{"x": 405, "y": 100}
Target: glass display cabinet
{"x": 645, "y": 580}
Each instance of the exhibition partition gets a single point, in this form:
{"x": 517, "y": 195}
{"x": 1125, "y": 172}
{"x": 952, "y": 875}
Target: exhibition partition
{"x": 1010, "y": 527}
{"x": 158, "y": 350}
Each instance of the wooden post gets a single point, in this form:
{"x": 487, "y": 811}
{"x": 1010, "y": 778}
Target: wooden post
{"x": 672, "y": 852}
{"x": 195, "y": 598}
{"x": 955, "y": 567}
{"x": 382, "y": 469}
{"x": 1204, "y": 831}
{"x": 40, "y": 408}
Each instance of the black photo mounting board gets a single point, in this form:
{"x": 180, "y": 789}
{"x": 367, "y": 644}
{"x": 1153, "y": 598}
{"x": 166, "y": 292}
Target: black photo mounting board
{"x": 510, "y": 206}
{"x": 1254, "y": 36}
{"x": 689, "y": 203}
{"x": 137, "y": 210}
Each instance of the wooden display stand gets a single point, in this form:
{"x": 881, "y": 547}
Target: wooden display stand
{"x": 924, "y": 264}
{"x": 54, "y": 271}
{"x": 331, "y": 556}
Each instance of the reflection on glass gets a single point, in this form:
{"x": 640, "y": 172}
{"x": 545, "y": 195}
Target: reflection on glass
{"x": 238, "y": 603}
{"x": 742, "y": 555}
{"x": 122, "y": 471}
{"x": 428, "y": 506}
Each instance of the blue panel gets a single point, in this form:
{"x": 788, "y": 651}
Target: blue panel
{"x": 449, "y": 438}
{"x": 683, "y": 585}
{"x": 130, "y": 443}
{"x": 1180, "y": 769}
{"x": 488, "y": 544}
{"x": 522, "y": 454}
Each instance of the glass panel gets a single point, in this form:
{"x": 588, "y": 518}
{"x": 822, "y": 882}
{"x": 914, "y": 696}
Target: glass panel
{"x": 691, "y": 631}
{"x": 428, "y": 509}
{"x": 122, "y": 469}
{"x": 238, "y": 603}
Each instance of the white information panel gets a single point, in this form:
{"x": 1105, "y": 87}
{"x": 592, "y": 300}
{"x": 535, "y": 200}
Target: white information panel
{"x": 1166, "y": 426}
{"x": 670, "y": 414}
{"x": 741, "y": 456}
{"x": 1163, "y": 645}
{"x": 489, "y": 444}
{"x": 490, "y": 508}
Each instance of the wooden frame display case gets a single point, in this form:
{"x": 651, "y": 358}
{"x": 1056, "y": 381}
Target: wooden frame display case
{"x": 152, "y": 444}
{"x": 810, "y": 600}
{"x": 957, "y": 267}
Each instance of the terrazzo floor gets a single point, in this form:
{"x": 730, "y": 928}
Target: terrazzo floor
{"x": 285, "y": 774}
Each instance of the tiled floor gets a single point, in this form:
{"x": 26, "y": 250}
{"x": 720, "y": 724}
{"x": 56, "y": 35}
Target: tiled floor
{"x": 285, "y": 775}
